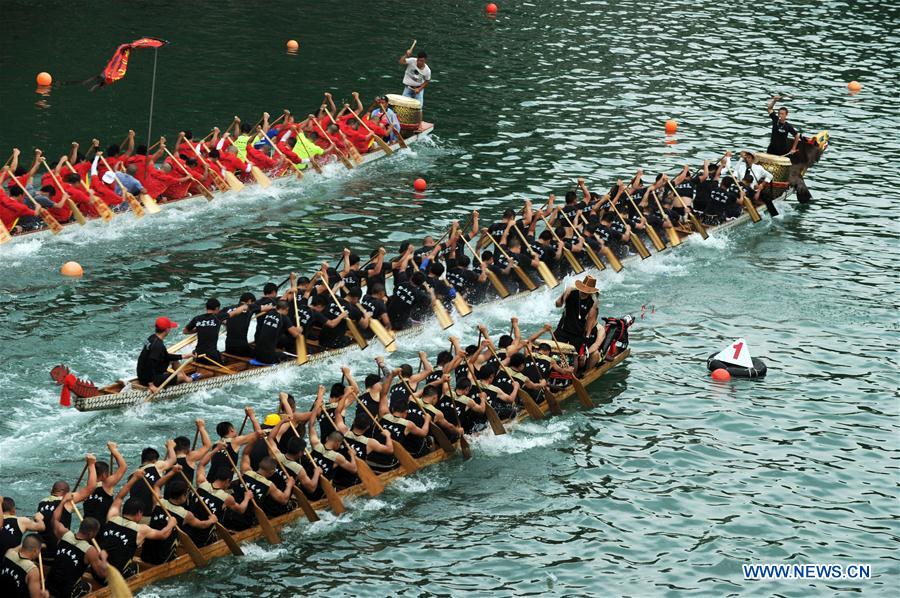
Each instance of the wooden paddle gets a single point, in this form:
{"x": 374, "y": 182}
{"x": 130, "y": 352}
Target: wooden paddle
{"x": 530, "y": 406}
{"x": 524, "y": 278}
{"x": 464, "y": 447}
{"x": 587, "y": 248}
{"x": 351, "y": 325}
{"x": 165, "y": 383}
{"x": 674, "y": 239}
{"x": 580, "y": 390}
{"x": 552, "y": 401}
{"x": 183, "y": 539}
{"x": 543, "y": 270}
{"x": 300, "y": 341}
{"x": 381, "y": 143}
{"x": 221, "y": 531}
{"x": 334, "y": 500}
{"x": 570, "y": 257}
{"x": 221, "y": 182}
{"x": 52, "y": 223}
{"x": 264, "y": 523}
{"x": 748, "y": 203}
{"x": 333, "y": 147}
{"x": 290, "y": 164}
{"x": 495, "y": 280}
{"x": 136, "y": 206}
{"x": 695, "y": 222}
{"x": 117, "y": 585}
{"x": 309, "y": 156}
{"x": 5, "y": 237}
{"x": 99, "y": 205}
{"x": 372, "y": 483}
{"x": 648, "y": 228}
{"x": 635, "y": 239}
{"x": 493, "y": 419}
{"x": 206, "y": 192}
{"x": 41, "y": 571}
{"x": 79, "y": 217}
{"x": 440, "y": 312}
{"x": 406, "y": 460}
{"x": 411, "y": 47}
{"x": 434, "y": 430}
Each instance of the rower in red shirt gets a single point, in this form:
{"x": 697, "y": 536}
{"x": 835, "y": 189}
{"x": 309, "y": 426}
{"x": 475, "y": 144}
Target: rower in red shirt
{"x": 17, "y": 173}
{"x": 73, "y": 188}
{"x": 11, "y": 210}
{"x": 60, "y": 209}
{"x": 164, "y": 183}
{"x": 260, "y": 158}
{"x": 105, "y": 192}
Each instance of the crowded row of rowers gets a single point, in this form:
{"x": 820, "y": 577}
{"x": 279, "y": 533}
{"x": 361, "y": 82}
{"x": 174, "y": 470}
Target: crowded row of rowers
{"x": 243, "y": 151}
{"x": 510, "y": 256}
{"x": 398, "y": 412}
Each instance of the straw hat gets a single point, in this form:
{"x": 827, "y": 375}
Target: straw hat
{"x": 588, "y": 285}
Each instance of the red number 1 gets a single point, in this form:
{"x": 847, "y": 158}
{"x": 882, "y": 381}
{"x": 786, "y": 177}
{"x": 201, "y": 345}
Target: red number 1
{"x": 737, "y": 349}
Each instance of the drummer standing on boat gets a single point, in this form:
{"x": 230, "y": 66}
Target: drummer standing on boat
{"x": 781, "y": 130}
{"x": 417, "y": 76}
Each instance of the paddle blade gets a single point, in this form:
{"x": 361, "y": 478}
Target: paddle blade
{"x": 674, "y": 239}
{"x": 5, "y": 237}
{"x": 496, "y": 423}
{"x": 229, "y": 540}
{"x": 382, "y": 335}
{"x": 440, "y": 312}
{"x": 191, "y": 548}
{"x": 462, "y": 306}
{"x": 260, "y": 177}
{"x": 751, "y": 209}
{"x": 149, "y": 204}
{"x": 441, "y": 438}
{"x": 356, "y": 334}
{"x": 118, "y": 587}
{"x": 547, "y": 275}
{"x": 136, "y": 206}
{"x": 334, "y": 501}
{"x": 698, "y": 226}
{"x": 530, "y": 406}
{"x": 52, "y": 223}
{"x": 384, "y": 146}
{"x": 639, "y": 246}
{"x": 582, "y": 393}
{"x": 268, "y": 531}
{"x": 372, "y": 483}
{"x": 614, "y": 262}
{"x": 526, "y": 280}
{"x": 101, "y": 208}
{"x": 654, "y": 238}
{"x": 308, "y": 510}
{"x": 302, "y": 354}
{"x": 79, "y": 217}
{"x": 233, "y": 181}
{"x": 406, "y": 460}
{"x": 595, "y": 259}
{"x": 552, "y": 402}
{"x": 465, "y": 448}
{"x": 573, "y": 261}
{"x": 498, "y": 286}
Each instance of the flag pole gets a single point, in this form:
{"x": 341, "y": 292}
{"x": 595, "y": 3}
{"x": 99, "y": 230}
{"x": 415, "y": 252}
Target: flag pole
{"x": 150, "y": 120}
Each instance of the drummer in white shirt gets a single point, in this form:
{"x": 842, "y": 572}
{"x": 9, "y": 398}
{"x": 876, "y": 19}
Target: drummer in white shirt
{"x": 748, "y": 160}
{"x": 417, "y": 76}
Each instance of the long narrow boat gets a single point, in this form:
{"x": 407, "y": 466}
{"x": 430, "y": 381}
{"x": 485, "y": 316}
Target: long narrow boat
{"x": 122, "y": 394}
{"x": 376, "y": 153}
{"x": 183, "y": 563}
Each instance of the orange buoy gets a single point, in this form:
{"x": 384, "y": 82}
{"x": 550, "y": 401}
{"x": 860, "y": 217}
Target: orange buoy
{"x": 420, "y": 185}
{"x": 72, "y": 269}
{"x": 44, "y": 79}
{"x": 491, "y": 8}
{"x": 671, "y": 126}
{"x": 293, "y": 45}
{"x": 721, "y": 375}
{"x": 854, "y": 86}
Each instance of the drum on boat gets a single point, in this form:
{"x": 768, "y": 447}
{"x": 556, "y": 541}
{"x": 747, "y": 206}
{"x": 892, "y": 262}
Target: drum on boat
{"x": 408, "y": 110}
{"x": 778, "y": 166}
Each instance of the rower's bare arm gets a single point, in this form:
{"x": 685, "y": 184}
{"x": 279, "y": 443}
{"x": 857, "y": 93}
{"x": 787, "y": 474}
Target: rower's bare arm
{"x": 85, "y": 491}
{"x": 145, "y": 532}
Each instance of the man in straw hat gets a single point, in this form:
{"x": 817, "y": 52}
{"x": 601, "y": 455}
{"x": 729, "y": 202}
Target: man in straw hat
{"x": 579, "y": 315}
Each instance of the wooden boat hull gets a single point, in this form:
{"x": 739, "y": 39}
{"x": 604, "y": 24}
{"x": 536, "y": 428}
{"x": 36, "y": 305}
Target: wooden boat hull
{"x": 183, "y": 563}
{"x": 129, "y": 398}
{"x": 425, "y": 129}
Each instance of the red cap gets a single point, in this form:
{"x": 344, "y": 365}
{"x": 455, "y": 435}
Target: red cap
{"x": 164, "y": 323}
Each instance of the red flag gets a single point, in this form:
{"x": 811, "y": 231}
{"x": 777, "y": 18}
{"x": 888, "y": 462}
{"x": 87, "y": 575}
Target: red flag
{"x": 118, "y": 64}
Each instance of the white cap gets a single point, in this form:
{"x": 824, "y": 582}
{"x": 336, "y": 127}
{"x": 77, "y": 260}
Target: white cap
{"x": 109, "y": 177}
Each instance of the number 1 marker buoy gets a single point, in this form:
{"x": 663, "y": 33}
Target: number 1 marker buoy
{"x": 735, "y": 359}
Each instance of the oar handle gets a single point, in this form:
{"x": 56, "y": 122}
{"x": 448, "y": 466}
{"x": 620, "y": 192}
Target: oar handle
{"x": 80, "y": 180}
{"x": 374, "y": 419}
{"x": 675, "y": 191}
{"x": 344, "y": 440}
{"x": 659, "y": 205}
{"x": 572, "y": 224}
{"x": 552, "y": 232}
{"x": 157, "y": 498}
{"x": 524, "y": 240}
{"x": 496, "y": 244}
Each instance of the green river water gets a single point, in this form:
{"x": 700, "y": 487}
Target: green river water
{"x": 672, "y": 482}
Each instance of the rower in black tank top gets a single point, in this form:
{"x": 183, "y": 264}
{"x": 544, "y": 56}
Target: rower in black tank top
{"x": 97, "y": 504}
{"x": 68, "y": 567}
{"x": 220, "y": 461}
{"x": 118, "y": 537}
{"x": 13, "y": 573}
{"x": 11, "y": 534}
{"x": 46, "y": 507}
{"x": 157, "y": 552}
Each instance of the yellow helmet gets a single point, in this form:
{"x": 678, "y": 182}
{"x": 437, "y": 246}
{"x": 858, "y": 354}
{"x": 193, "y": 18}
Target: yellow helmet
{"x": 272, "y": 420}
